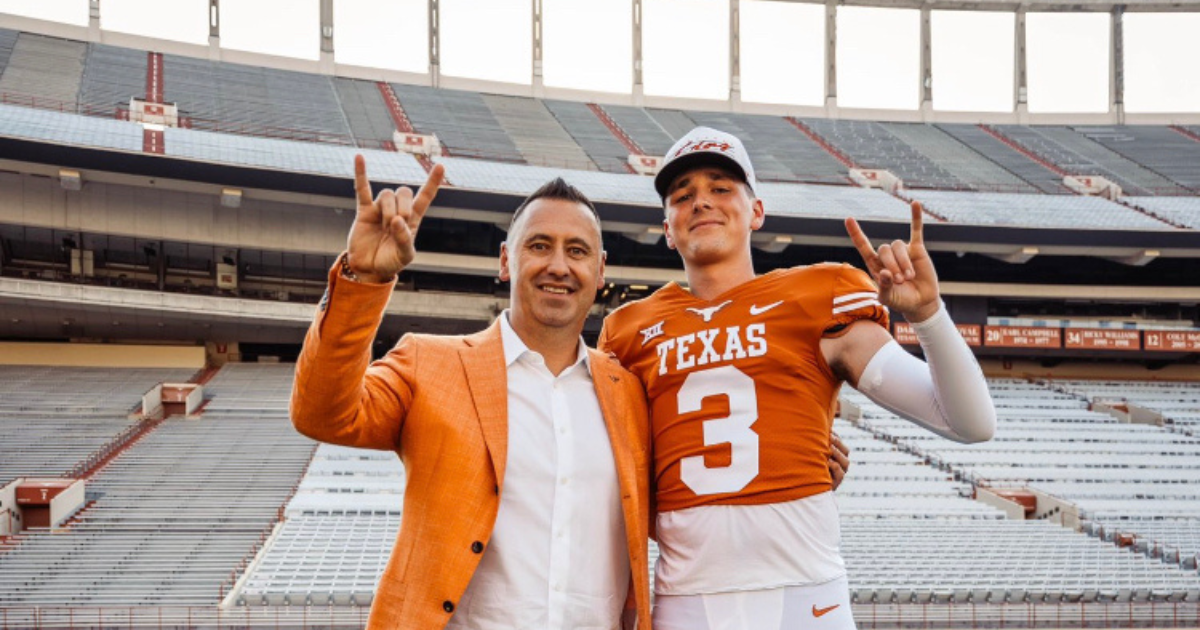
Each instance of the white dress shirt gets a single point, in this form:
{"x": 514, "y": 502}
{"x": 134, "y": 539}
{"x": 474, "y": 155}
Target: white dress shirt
{"x": 557, "y": 558}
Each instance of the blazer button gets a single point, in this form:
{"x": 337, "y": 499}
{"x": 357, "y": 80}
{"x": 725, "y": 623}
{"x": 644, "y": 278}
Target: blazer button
{"x": 448, "y": 606}
{"x": 496, "y": 489}
{"x": 477, "y": 547}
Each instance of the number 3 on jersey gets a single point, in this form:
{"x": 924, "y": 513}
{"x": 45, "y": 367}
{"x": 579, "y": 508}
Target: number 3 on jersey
{"x": 733, "y": 429}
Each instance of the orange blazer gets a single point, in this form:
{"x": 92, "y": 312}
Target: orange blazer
{"x": 440, "y": 402}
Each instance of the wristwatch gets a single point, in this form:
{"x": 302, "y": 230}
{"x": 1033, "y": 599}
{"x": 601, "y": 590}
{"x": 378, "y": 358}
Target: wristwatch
{"x": 347, "y": 272}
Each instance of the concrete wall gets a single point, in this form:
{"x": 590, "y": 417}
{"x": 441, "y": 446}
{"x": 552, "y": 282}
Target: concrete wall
{"x": 152, "y": 402}
{"x": 194, "y": 400}
{"x": 1011, "y": 509}
{"x": 1068, "y": 370}
{"x": 10, "y": 519}
{"x": 101, "y": 355}
{"x": 67, "y": 503}
{"x": 1056, "y": 510}
{"x": 153, "y": 213}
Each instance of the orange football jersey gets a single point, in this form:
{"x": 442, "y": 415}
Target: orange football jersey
{"x": 741, "y": 399}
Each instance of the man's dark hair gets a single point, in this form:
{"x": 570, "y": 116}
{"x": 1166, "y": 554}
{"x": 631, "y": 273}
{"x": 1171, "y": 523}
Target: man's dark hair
{"x": 557, "y": 188}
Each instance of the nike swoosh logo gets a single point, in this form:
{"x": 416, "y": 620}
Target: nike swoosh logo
{"x": 759, "y": 310}
{"x": 821, "y": 612}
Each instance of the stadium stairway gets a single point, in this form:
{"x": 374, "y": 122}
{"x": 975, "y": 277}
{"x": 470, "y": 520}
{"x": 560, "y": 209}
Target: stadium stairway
{"x": 177, "y": 514}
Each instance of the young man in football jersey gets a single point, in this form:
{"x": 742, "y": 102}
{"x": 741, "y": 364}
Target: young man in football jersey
{"x": 743, "y": 372}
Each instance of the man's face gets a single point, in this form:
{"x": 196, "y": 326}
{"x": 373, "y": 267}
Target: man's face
{"x": 710, "y": 214}
{"x": 554, "y": 260}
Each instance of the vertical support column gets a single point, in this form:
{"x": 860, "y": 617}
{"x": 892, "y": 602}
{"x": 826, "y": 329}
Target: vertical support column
{"x": 1020, "y": 78}
{"x": 1116, "y": 64}
{"x": 539, "y": 88}
{"x": 326, "y": 59}
{"x": 735, "y": 56}
{"x": 160, "y": 265}
{"x": 638, "y": 88}
{"x": 435, "y": 44}
{"x": 831, "y": 105}
{"x": 94, "y": 20}
{"x": 925, "y": 70}
{"x": 214, "y": 29}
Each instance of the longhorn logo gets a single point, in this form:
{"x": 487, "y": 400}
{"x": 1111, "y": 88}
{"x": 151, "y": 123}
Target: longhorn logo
{"x": 710, "y": 312}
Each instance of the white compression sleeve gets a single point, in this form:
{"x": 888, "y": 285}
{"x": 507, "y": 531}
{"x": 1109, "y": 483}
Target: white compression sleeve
{"x": 948, "y": 395}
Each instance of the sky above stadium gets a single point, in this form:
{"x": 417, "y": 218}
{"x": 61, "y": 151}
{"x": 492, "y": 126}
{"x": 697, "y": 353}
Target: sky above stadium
{"x": 587, "y": 44}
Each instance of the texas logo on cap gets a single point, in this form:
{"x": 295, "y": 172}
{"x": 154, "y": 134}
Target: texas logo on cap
{"x": 704, "y": 146}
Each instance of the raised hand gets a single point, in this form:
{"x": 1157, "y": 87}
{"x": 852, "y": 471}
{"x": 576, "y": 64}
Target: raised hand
{"x": 382, "y": 239}
{"x": 905, "y": 274}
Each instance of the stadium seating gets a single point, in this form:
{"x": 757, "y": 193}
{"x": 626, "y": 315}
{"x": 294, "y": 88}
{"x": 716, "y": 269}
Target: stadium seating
{"x": 1183, "y": 211}
{"x": 958, "y": 159}
{"x": 604, "y": 149}
{"x": 291, "y": 155}
{"x": 8, "y": 39}
{"x": 62, "y": 128}
{"x": 1046, "y": 211}
{"x": 870, "y": 145}
{"x": 779, "y": 150}
{"x": 1159, "y": 149}
{"x": 46, "y": 431}
{"x": 1079, "y": 154}
{"x": 781, "y": 199}
{"x": 1178, "y": 401}
{"x": 994, "y": 149}
{"x": 997, "y": 561}
{"x": 175, "y": 515}
{"x": 1048, "y": 441}
{"x": 521, "y": 180}
{"x": 838, "y": 202}
{"x": 233, "y": 98}
{"x": 536, "y": 133}
{"x": 462, "y": 121}
{"x": 46, "y": 69}
{"x": 223, "y": 103}
{"x": 601, "y": 146}
{"x": 366, "y": 111}
{"x": 338, "y": 533}
{"x": 111, "y": 77}
{"x": 642, "y": 129}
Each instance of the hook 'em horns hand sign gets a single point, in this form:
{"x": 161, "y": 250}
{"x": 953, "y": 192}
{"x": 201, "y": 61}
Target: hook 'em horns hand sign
{"x": 905, "y": 274}
{"x": 382, "y": 239}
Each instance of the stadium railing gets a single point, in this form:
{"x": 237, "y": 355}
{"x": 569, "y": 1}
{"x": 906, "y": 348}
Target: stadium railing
{"x": 867, "y": 616}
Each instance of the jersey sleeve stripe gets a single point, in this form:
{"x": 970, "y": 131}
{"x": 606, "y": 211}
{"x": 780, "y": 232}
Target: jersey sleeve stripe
{"x": 855, "y": 306}
{"x": 850, "y": 297}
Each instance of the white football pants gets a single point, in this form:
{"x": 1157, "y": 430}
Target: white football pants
{"x": 816, "y": 607}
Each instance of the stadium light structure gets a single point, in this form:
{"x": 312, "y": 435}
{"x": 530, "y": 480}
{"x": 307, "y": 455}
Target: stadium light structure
{"x": 648, "y": 236}
{"x": 1019, "y": 257}
{"x": 777, "y": 244}
{"x": 69, "y": 179}
{"x": 231, "y": 197}
{"x": 1140, "y": 259}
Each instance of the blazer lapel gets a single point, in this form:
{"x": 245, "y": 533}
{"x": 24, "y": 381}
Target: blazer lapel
{"x": 483, "y": 360}
{"x": 606, "y": 380}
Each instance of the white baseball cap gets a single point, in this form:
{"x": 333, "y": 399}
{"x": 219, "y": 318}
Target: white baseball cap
{"x": 704, "y": 146}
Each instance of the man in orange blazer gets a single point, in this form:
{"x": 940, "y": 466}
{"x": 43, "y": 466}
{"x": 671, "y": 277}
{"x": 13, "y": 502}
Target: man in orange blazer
{"x": 527, "y": 503}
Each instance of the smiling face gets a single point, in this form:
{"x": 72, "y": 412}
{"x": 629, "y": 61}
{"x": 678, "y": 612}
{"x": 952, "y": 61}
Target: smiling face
{"x": 554, "y": 260}
{"x": 710, "y": 214}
